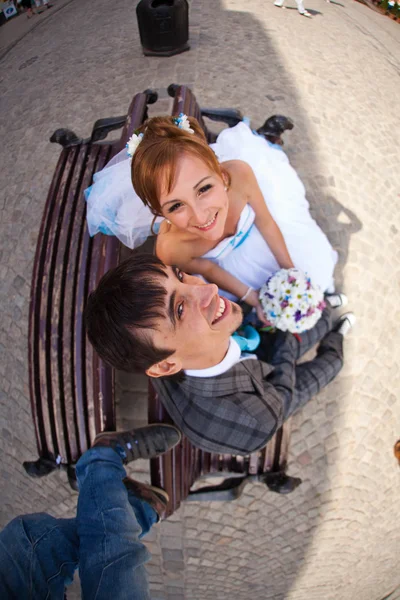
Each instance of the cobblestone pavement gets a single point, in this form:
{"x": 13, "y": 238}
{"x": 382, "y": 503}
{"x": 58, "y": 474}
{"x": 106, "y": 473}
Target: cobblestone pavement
{"x": 337, "y": 536}
{"x": 15, "y": 29}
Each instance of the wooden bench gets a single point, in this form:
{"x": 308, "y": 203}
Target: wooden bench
{"x": 71, "y": 389}
{"x": 179, "y": 470}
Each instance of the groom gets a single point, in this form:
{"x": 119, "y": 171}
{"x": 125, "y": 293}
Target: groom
{"x": 154, "y": 319}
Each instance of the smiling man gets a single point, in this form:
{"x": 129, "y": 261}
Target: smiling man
{"x": 147, "y": 317}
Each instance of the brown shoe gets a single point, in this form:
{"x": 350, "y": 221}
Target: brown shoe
{"x": 156, "y": 497}
{"x": 145, "y": 442}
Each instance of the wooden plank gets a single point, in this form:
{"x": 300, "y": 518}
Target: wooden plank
{"x": 253, "y": 463}
{"x": 71, "y": 383}
{"x": 137, "y": 114}
{"x": 59, "y": 312}
{"x": 52, "y": 424}
{"x": 104, "y": 398}
{"x": 103, "y": 254}
{"x": 39, "y": 411}
{"x": 86, "y": 361}
{"x": 189, "y": 458}
{"x": 281, "y": 454}
{"x": 270, "y": 454}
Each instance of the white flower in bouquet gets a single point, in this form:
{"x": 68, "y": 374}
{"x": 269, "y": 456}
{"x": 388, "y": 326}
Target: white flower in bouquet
{"x": 291, "y": 302}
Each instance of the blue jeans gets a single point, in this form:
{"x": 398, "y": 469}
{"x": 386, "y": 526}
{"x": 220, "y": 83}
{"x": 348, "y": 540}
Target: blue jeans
{"x": 39, "y": 554}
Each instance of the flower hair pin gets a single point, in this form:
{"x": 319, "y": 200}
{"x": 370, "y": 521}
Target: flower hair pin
{"x": 183, "y": 123}
{"x": 133, "y": 143}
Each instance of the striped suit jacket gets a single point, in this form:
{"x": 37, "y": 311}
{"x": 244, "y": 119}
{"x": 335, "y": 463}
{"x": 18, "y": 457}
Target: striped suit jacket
{"x": 236, "y": 412}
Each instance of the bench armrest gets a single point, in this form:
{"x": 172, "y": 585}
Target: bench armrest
{"x": 102, "y": 127}
{"x": 230, "y": 116}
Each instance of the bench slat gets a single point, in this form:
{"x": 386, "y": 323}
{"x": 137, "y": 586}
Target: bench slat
{"x": 70, "y": 219}
{"x": 47, "y": 371}
{"x": 185, "y": 102}
{"x": 39, "y": 410}
{"x": 72, "y": 391}
{"x": 72, "y": 373}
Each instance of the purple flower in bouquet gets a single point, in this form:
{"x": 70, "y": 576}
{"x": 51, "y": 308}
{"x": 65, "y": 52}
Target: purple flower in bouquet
{"x": 297, "y": 316}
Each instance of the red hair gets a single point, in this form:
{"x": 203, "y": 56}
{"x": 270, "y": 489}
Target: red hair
{"x": 155, "y": 160}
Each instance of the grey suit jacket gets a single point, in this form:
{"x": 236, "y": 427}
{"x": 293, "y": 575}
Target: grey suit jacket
{"x": 236, "y": 412}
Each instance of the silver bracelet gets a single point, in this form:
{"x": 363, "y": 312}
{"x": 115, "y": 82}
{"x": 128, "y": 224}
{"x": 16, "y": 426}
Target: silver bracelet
{"x": 250, "y": 289}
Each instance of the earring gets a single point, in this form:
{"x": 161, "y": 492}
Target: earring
{"x": 168, "y": 221}
{"x": 226, "y": 188}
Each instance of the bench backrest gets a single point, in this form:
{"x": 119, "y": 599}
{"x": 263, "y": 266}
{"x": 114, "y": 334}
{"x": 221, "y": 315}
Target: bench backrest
{"x": 71, "y": 389}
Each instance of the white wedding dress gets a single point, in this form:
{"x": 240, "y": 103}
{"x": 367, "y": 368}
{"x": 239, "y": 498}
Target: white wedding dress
{"x": 114, "y": 208}
{"x": 246, "y": 255}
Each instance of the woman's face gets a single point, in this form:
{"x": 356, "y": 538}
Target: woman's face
{"x": 198, "y": 201}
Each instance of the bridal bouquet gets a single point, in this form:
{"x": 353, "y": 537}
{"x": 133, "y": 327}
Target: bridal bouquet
{"x": 291, "y": 302}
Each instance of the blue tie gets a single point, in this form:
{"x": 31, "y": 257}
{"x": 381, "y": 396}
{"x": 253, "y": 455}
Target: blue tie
{"x": 248, "y": 339}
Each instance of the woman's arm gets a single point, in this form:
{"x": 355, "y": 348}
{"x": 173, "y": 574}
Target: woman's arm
{"x": 215, "y": 274}
{"x": 264, "y": 220}
{"x": 171, "y": 252}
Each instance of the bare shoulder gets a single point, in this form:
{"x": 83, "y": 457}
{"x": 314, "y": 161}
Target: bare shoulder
{"x": 238, "y": 169}
{"x": 174, "y": 247}
{"x": 168, "y": 246}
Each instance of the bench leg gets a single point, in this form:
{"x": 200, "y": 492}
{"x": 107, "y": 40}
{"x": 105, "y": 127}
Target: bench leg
{"x": 40, "y": 467}
{"x": 230, "y": 489}
{"x": 279, "y": 482}
{"x": 45, "y": 466}
{"x": 274, "y": 127}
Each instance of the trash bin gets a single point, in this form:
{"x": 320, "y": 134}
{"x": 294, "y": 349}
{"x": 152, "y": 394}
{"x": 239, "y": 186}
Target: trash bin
{"x": 163, "y": 26}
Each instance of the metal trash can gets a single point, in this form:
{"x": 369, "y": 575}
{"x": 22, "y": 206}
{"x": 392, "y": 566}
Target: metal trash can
{"x": 163, "y": 26}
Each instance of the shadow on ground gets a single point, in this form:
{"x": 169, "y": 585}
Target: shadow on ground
{"x": 264, "y": 538}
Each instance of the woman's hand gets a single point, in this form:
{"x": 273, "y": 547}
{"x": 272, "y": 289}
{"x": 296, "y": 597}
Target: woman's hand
{"x": 252, "y": 300}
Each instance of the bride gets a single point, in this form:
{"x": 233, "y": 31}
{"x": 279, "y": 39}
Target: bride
{"x": 234, "y": 220}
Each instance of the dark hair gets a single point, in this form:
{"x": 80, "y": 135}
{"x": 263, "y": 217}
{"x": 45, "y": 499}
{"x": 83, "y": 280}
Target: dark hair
{"x": 126, "y": 303}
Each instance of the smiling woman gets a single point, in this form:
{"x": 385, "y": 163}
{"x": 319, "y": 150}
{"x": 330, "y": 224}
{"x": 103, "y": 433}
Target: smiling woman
{"x": 201, "y": 200}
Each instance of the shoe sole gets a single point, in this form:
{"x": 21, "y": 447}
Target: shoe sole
{"x": 160, "y": 492}
{"x": 103, "y": 434}
{"x": 350, "y": 317}
{"x": 343, "y": 300}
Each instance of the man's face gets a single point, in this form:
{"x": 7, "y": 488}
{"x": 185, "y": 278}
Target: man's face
{"x": 198, "y": 324}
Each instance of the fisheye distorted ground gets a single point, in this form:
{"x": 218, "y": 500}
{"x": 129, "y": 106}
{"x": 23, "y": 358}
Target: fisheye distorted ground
{"x": 337, "y": 76}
